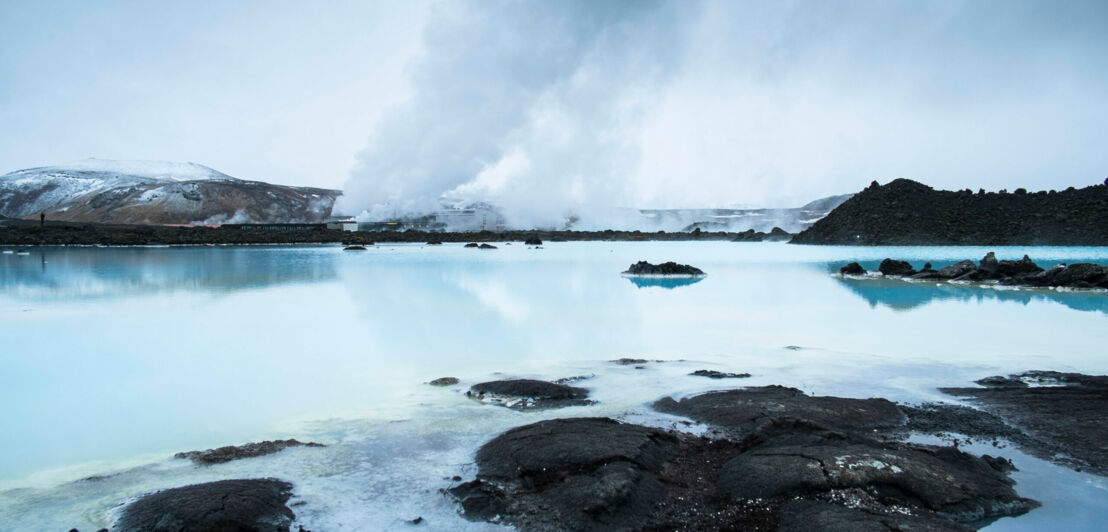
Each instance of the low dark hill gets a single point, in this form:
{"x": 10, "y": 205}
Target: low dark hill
{"x": 905, "y": 212}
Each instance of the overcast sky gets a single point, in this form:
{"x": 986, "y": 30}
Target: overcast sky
{"x": 561, "y": 107}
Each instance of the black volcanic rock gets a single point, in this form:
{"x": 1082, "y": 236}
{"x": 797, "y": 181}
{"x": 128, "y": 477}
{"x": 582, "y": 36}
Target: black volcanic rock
{"x": 237, "y": 452}
{"x": 472, "y": 245}
{"x": 904, "y": 212}
{"x": 1023, "y": 272}
{"x": 784, "y": 471}
{"x": 778, "y": 235}
{"x": 741, "y": 411}
{"x": 444, "y": 381}
{"x": 895, "y": 267}
{"x": 487, "y": 246}
{"x": 525, "y": 394}
{"x": 957, "y": 270}
{"x": 227, "y": 505}
{"x": 1064, "y": 419}
{"x": 852, "y": 269}
{"x": 666, "y": 268}
{"x": 532, "y": 242}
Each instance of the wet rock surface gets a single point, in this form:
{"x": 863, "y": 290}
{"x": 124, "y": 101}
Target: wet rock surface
{"x": 789, "y": 462}
{"x": 525, "y": 394}
{"x": 666, "y": 268}
{"x": 713, "y": 374}
{"x": 852, "y": 269}
{"x": 740, "y": 412}
{"x": 444, "y": 381}
{"x": 235, "y": 452}
{"x": 227, "y": 505}
{"x": 1023, "y": 272}
{"x": 1057, "y": 416}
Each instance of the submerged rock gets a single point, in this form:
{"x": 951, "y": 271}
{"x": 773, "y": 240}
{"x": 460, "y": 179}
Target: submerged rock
{"x": 713, "y": 374}
{"x": 666, "y": 268}
{"x": 227, "y": 505}
{"x": 237, "y": 452}
{"x": 487, "y": 246}
{"x": 852, "y": 269}
{"x": 527, "y": 394}
{"x": 472, "y": 245}
{"x": 444, "y": 381}
{"x": 354, "y": 248}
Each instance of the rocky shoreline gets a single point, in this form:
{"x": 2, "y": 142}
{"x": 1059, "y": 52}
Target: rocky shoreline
{"x": 1023, "y": 273}
{"x": 27, "y": 233}
{"x": 774, "y": 458}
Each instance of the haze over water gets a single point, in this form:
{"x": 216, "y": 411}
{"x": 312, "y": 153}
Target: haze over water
{"x": 118, "y": 358}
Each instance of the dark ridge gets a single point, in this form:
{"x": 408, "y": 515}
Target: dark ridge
{"x": 904, "y": 212}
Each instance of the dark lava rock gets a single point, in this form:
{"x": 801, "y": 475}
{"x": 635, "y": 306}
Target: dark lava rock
{"x": 444, "y": 381}
{"x": 895, "y": 267}
{"x": 794, "y": 458}
{"x": 989, "y": 265}
{"x": 1064, "y": 418}
{"x": 237, "y": 452}
{"x": 599, "y": 474}
{"x": 226, "y": 506}
{"x": 666, "y": 268}
{"x": 802, "y": 515}
{"x": 472, "y": 245}
{"x": 630, "y": 361}
{"x": 532, "y": 242}
{"x": 852, "y": 269}
{"x": 778, "y": 235}
{"x": 569, "y": 474}
{"x": 1024, "y": 266}
{"x": 434, "y": 242}
{"x": 905, "y": 212}
{"x": 958, "y": 269}
{"x": 526, "y": 394}
{"x": 1083, "y": 272}
{"x": 713, "y": 374}
{"x": 487, "y": 246}
{"x": 741, "y": 411}
{"x": 354, "y": 248}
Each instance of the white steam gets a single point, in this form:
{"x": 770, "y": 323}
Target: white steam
{"x": 555, "y": 109}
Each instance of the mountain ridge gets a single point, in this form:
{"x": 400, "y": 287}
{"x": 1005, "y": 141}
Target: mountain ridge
{"x": 155, "y": 192}
{"x": 906, "y": 212}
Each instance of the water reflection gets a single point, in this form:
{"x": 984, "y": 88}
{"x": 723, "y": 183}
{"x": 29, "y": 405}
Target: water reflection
{"x": 904, "y": 296}
{"x": 90, "y": 273}
{"x": 668, "y": 283}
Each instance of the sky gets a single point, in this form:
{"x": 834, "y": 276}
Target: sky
{"x": 566, "y": 108}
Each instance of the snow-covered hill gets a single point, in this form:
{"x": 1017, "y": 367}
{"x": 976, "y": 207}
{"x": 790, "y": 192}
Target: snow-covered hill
{"x": 155, "y": 192}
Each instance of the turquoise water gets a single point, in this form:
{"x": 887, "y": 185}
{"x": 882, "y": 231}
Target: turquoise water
{"x": 114, "y": 359}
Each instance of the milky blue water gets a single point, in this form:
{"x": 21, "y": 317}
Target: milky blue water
{"x": 111, "y": 360}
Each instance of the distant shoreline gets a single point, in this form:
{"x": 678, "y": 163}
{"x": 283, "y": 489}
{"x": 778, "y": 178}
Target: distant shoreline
{"x": 29, "y": 233}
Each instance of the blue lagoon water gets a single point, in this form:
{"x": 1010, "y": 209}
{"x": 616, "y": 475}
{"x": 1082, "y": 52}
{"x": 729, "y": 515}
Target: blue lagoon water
{"x": 111, "y": 360}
